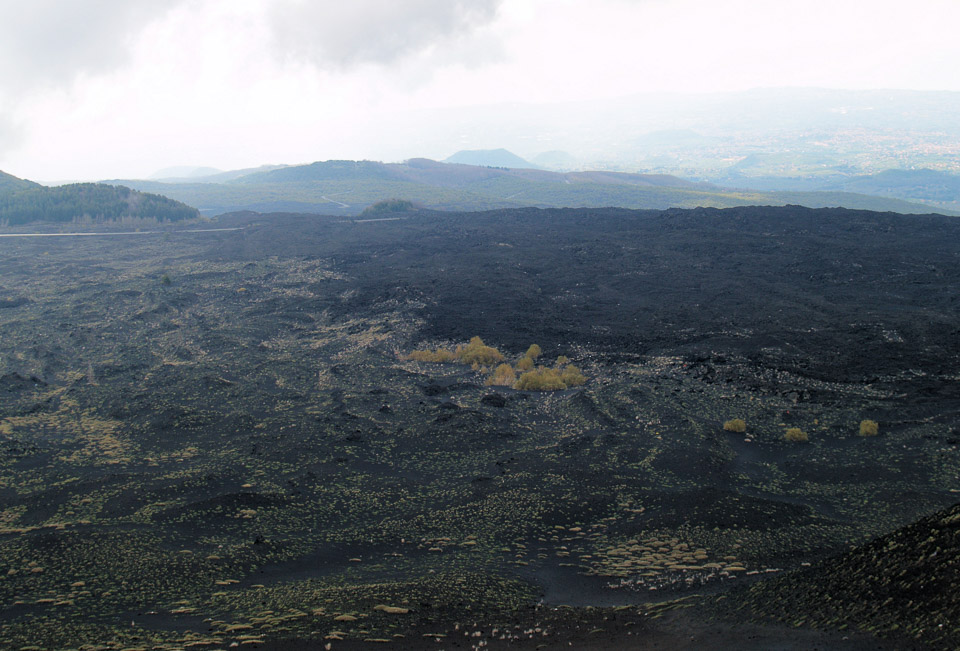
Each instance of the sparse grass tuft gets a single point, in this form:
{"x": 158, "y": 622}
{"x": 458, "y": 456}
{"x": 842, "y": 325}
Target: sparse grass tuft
{"x": 796, "y": 435}
{"x": 737, "y": 425}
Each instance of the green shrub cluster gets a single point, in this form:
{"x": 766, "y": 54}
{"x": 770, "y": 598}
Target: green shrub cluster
{"x": 388, "y": 206}
{"x": 869, "y": 428}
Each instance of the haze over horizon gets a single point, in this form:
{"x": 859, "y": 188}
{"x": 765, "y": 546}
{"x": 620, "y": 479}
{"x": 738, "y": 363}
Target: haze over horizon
{"x": 121, "y": 89}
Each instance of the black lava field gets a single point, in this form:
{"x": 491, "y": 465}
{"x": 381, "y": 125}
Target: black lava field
{"x": 217, "y": 439}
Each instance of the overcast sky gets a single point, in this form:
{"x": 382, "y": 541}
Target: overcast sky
{"x": 95, "y": 89}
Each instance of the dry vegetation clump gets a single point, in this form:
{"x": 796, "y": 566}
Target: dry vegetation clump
{"x": 504, "y": 376}
{"x": 796, "y": 435}
{"x": 525, "y": 364}
{"x": 543, "y": 378}
{"x": 440, "y": 355}
{"x": 477, "y": 351}
{"x": 737, "y": 425}
{"x": 490, "y": 361}
{"x": 540, "y": 379}
{"x": 572, "y": 376}
{"x": 869, "y": 428}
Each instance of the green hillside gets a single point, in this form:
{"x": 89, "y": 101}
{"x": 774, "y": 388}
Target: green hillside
{"x": 10, "y": 183}
{"x": 934, "y": 188}
{"x": 336, "y": 170}
{"x": 931, "y": 186}
{"x": 348, "y": 187}
{"x": 87, "y": 200}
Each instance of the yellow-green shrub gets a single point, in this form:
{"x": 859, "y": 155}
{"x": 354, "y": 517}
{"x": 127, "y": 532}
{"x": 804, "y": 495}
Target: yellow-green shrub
{"x": 735, "y": 425}
{"x": 796, "y": 435}
{"x": 540, "y": 379}
{"x": 482, "y": 358}
{"x": 869, "y": 428}
{"x": 504, "y": 376}
{"x": 444, "y": 355}
{"x": 572, "y": 376}
{"x": 477, "y": 351}
{"x": 438, "y": 355}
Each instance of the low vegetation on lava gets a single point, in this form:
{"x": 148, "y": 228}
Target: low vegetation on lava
{"x": 271, "y": 436}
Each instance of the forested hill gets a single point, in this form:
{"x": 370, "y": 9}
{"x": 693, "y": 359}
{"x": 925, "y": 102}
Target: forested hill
{"x": 10, "y": 183}
{"x": 87, "y": 200}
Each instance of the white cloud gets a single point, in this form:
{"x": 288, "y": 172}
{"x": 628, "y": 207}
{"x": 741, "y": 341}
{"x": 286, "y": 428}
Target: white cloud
{"x": 50, "y": 41}
{"x": 109, "y": 88}
{"x": 344, "y": 34}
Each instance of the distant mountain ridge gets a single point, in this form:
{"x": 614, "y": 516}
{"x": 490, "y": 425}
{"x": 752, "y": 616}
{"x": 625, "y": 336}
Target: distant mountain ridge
{"x": 332, "y": 170}
{"x": 934, "y": 187}
{"x": 347, "y": 187}
{"x": 424, "y": 170}
{"x": 215, "y": 175}
{"x": 490, "y": 158}
{"x": 183, "y": 172}
{"x": 912, "y": 184}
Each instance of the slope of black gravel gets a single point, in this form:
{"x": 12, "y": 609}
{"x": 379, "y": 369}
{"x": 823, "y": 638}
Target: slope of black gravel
{"x": 832, "y": 294}
{"x": 904, "y": 583}
{"x": 218, "y": 436}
